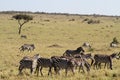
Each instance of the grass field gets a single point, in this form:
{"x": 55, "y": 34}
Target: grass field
{"x": 47, "y": 30}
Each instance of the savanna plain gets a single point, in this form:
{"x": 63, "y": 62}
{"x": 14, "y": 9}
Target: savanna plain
{"x": 52, "y": 34}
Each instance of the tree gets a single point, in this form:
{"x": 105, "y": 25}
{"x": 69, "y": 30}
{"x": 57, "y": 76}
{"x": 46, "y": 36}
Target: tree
{"x": 22, "y": 19}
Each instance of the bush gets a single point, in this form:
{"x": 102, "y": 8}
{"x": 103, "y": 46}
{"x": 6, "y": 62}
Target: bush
{"x": 86, "y": 19}
{"x": 91, "y": 21}
{"x": 115, "y": 41}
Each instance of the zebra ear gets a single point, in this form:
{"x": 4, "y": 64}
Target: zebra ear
{"x": 119, "y": 53}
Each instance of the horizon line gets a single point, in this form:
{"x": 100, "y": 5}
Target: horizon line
{"x": 57, "y": 13}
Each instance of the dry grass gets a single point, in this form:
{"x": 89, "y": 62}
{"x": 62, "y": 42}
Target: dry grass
{"x": 61, "y": 31}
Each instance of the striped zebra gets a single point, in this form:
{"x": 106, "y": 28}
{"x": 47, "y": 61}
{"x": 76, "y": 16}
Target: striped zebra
{"x": 107, "y": 59}
{"x": 73, "y": 52}
{"x": 63, "y": 63}
{"x": 29, "y": 47}
{"x": 82, "y": 63}
{"x": 85, "y": 56}
{"x": 44, "y": 63}
{"x": 78, "y": 62}
{"x": 29, "y": 63}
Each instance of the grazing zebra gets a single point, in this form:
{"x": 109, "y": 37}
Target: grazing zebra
{"x": 73, "y": 52}
{"x": 28, "y": 47}
{"x": 44, "y": 62}
{"x": 63, "y": 63}
{"x": 107, "y": 59}
{"x": 28, "y": 62}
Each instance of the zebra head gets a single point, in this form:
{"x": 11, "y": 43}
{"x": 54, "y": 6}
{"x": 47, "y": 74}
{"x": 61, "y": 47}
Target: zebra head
{"x": 80, "y": 49}
{"x": 118, "y": 55}
{"x": 115, "y": 55}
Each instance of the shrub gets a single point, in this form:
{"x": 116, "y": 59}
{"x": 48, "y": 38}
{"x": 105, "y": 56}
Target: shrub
{"x": 91, "y": 21}
{"x": 115, "y": 41}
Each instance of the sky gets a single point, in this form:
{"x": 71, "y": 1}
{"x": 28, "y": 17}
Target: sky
{"x": 103, "y": 7}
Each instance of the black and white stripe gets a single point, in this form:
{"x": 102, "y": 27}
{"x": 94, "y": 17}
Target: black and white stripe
{"x": 73, "y": 52}
{"x": 29, "y": 47}
{"x": 63, "y": 63}
{"x": 29, "y": 63}
{"x": 107, "y": 59}
{"x": 44, "y": 63}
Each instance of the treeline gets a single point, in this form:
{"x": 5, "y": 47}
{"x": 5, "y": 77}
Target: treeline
{"x": 67, "y": 14}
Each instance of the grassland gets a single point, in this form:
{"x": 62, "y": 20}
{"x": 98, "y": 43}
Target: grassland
{"x": 46, "y": 30}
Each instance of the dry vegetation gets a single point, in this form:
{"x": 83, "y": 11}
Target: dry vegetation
{"x": 52, "y": 35}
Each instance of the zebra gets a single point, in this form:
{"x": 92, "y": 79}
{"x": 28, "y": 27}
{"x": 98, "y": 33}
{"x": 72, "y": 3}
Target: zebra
{"x": 28, "y": 47}
{"x": 81, "y": 63}
{"x": 44, "y": 62}
{"x": 73, "y": 52}
{"x": 107, "y": 59}
{"x": 114, "y": 55}
{"x": 29, "y": 63}
{"x": 85, "y": 56}
{"x": 63, "y": 63}
{"x": 78, "y": 62}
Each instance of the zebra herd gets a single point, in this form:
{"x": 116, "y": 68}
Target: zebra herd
{"x": 70, "y": 60}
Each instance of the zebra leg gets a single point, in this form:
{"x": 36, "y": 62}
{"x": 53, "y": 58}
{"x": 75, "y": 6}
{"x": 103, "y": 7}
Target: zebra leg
{"x": 55, "y": 69}
{"x": 99, "y": 65}
{"x": 87, "y": 65}
{"x": 92, "y": 61}
{"x": 58, "y": 70}
{"x": 105, "y": 65}
{"x": 110, "y": 64}
{"x": 41, "y": 71}
{"x": 37, "y": 70}
{"x": 95, "y": 65}
{"x": 73, "y": 70}
{"x": 82, "y": 67}
{"x": 66, "y": 70}
{"x": 20, "y": 69}
{"x": 31, "y": 70}
{"x": 50, "y": 71}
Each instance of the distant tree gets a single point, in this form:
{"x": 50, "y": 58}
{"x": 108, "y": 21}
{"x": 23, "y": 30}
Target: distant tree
{"x": 22, "y": 19}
